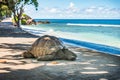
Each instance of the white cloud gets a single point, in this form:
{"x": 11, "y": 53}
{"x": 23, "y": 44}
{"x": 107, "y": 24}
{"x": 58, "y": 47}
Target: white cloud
{"x": 89, "y": 10}
{"x": 71, "y": 9}
{"x": 53, "y": 10}
{"x": 101, "y": 10}
{"x": 71, "y": 5}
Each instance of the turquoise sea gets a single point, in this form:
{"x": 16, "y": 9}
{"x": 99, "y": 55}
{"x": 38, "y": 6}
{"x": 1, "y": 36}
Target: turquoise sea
{"x": 98, "y": 34}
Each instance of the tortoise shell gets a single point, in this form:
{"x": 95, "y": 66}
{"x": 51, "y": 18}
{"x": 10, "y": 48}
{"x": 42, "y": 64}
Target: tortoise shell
{"x": 45, "y": 45}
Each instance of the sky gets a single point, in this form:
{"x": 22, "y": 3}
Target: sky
{"x": 75, "y": 9}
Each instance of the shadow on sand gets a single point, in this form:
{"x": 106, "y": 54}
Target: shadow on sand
{"x": 15, "y": 32}
{"x": 15, "y": 47}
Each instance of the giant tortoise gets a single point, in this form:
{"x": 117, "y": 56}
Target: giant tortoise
{"x": 49, "y": 48}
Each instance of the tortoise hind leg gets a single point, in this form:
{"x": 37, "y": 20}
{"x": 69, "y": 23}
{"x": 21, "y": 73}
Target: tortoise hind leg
{"x": 27, "y": 55}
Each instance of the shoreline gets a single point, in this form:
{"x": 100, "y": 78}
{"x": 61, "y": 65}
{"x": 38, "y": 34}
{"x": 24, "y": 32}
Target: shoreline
{"x": 93, "y": 46}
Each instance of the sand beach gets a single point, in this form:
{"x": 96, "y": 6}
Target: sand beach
{"x": 89, "y": 65}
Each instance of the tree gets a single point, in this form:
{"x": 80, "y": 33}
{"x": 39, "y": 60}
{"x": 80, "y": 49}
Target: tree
{"x": 17, "y": 7}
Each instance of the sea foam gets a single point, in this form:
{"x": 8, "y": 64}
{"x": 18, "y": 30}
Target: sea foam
{"x": 94, "y": 25}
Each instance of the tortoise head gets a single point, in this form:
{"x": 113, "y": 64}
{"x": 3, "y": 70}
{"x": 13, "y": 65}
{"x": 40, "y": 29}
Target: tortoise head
{"x": 69, "y": 55}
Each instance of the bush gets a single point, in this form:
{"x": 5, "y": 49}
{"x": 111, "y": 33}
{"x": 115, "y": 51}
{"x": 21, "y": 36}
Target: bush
{"x": 23, "y": 21}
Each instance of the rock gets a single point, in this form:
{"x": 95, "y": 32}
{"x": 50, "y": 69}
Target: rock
{"x": 43, "y": 22}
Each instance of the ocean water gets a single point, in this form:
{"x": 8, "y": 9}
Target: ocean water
{"x": 101, "y": 35}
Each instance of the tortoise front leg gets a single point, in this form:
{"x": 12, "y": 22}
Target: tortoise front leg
{"x": 27, "y": 55}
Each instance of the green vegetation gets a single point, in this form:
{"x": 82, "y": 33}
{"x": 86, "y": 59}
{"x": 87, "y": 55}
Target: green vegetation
{"x": 17, "y": 8}
{"x": 4, "y": 10}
